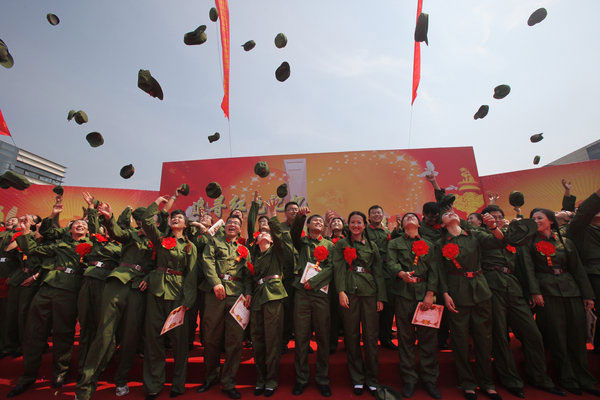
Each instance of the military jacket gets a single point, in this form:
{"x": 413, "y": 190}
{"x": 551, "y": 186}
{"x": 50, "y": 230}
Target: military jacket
{"x": 104, "y": 250}
{"x": 29, "y": 266}
{"x": 381, "y": 237}
{"x": 586, "y": 236}
{"x": 290, "y": 257}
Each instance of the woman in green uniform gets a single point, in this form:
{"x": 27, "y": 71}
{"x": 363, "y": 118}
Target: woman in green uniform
{"x": 361, "y": 291}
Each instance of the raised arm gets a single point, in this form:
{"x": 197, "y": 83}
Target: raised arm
{"x": 148, "y": 223}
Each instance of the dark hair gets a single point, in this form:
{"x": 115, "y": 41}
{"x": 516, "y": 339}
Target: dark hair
{"x": 234, "y": 217}
{"x": 492, "y": 208}
{"x": 234, "y": 210}
{"x": 290, "y": 203}
{"x": 478, "y": 216}
{"x": 340, "y": 218}
{"x": 405, "y": 215}
{"x": 187, "y": 231}
{"x": 311, "y": 217}
{"x": 365, "y": 232}
{"x": 553, "y": 223}
{"x": 431, "y": 208}
{"x": 178, "y": 212}
{"x": 262, "y": 217}
{"x": 374, "y": 207}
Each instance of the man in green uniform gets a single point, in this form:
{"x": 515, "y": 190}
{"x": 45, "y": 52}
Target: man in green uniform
{"x": 7, "y": 267}
{"x": 123, "y": 305}
{"x": 311, "y": 308}
{"x": 414, "y": 263}
{"x": 511, "y": 310}
{"x": 227, "y": 277}
{"x": 55, "y": 303}
{"x": 291, "y": 210}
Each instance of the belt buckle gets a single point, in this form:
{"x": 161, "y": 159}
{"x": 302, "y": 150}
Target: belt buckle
{"x": 555, "y": 272}
{"x": 469, "y": 274}
{"x": 360, "y": 269}
{"x": 3, "y": 259}
{"x": 69, "y": 270}
{"x": 261, "y": 281}
{"x": 227, "y": 277}
{"x": 99, "y": 264}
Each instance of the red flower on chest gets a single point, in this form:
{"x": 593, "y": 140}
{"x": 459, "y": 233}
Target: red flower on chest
{"x": 350, "y": 255}
{"x": 169, "y": 242}
{"x": 99, "y": 238}
{"x": 545, "y": 248}
{"x": 511, "y": 249}
{"x": 83, "y": 248}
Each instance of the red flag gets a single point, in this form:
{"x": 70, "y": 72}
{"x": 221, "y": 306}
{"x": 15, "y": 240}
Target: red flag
{"x": 417, "y": 60}
{"x": 223, "y": 9}
{"x": 3, "y": 128}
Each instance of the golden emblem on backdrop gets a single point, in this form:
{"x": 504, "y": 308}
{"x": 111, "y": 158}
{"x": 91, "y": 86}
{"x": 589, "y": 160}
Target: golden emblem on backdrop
{"x": 469, "y": 198}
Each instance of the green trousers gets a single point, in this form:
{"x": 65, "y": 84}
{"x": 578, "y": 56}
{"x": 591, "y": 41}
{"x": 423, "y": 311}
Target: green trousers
{"x": 562, "y": 322}
{"x": 194, "y": 313}
{"x": 386, "y": 316}
{"x": 595, "y": 282}
{"x": 218, "y": 323}
{"x": 426, "y": 348}
{"x": 288, "y": 310}
{"x": 19, "y": 300}
{"x": 123, "y": 309}
{"x": 267, "y": 326}
{"x": 50, "y": 307}
{"x": 157, "y": 311}
{"x": 335, "y": 313}
{"x": 88, "y": 310}
{"x": 475, "y": 321}
{"x": 362, "y": 315}
{"x": 311, "y": 310}
{"x": 514, "y": 312}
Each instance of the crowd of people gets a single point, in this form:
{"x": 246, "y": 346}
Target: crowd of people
{"x": 120, "y": 276}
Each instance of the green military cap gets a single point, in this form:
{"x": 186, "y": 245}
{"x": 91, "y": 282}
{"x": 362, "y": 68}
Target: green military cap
{"x": 421, "y": 28}
{"x": 127, "y": 171}
{"x": 520, "y": 231}
{"x": 70, "y": 115}
{"x": 283, "y": 72}
{"x": 249, "y": 45}
{"x": 196, "y": 37}
{"x": 138, "y": 213}
{"x": 537, "y": 16}
{"x": 536, "y": 138}
{"x": 6, "y": 58}
{"x": 59, "y": 190}
{"x": 124, "y": 220}
{"x": 214, "y": 138}
{"x": 536, "y": 160}
{"x": 383, "y": 392}
{"x": 282, "y": 190}
{"x": 213, "y": 14}
{"x": 53, "y": 19}
{"x": 184, "y": 189}
{"x": 516, "y": 198}
{"x": 80, "y": 117}
{"x": 280, "y": 41}
{"x": 148, "y": 84}
{"x": 482, "y": 112}
{"x": 501, "y": 91}
{"x": 12, "y": 179}
{"x": 262, "y": 169}
{"x": 446, "y": 202}
{"x": 213, "y": 190}
{"x": 95, "y": 139}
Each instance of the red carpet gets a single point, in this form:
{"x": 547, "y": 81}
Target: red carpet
{"x": 340, "y": 384}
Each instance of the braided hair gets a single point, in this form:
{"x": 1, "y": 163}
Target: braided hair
{"x": 347, "y": 232}
{"x": 553, "y": 225}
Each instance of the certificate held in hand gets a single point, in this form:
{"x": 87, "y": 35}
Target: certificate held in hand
{"x": 174, "y": 319}
{"x": 240, "y": 313}
{"x": 430, "y": 318}
{"x": 310, "y": 271}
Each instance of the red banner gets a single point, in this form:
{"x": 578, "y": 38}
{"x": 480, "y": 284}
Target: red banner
{"x": 417, "y": 60}
{"x": 223, "y": 9}
{"x": 3, "y": 128}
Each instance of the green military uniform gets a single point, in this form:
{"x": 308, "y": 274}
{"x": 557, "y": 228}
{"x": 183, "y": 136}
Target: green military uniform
{"x": 8, "y": 264}
{"x": 122, "y": 309}
{"x": 223, "y": 266}
{"x": 200, "y": 240}
{"x": 55, "y": 303}
{"x": 472, "y": 297}
{"x": 501, "y": 268}
{"x": 363, "y": 283}
{"x": 562, "y": 320}
{"x": 103, "y": 258}
{"x": 381, "y": 236}
{"x": 289, "y": 265}
{"x": 172, "y": 284}
{"x": 267, "y": 309}
{"x": 587, "y": 239}
{"x": 334, "y": 309}
{"x": 400, "y": 257}
{"x": 311, "y": 308}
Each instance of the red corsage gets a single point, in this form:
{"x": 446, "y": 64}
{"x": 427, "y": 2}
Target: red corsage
{"x": 250, "y": 267}
{"x": 437, "y": 226}
{"x": 169, "y": 242}
{"x": 419, "y": 248}
{"x": 335, "y": 240}
{"x": 511, "y": 249}
{"x": 303, "y": 234}
{"x": 320, "y": 254}
{"x": 242, "y": 251}
{"x": 546, "y": 249}
{"x": 16, "y": 235}
{"x": 389, "y": 237}
{"x": 241, "y": 240}
{"x": 2, "y": 228}
{"x": 255, "y": 235}
{"x": 450, "y": 252}
{"x": 99, "y": 238}
{"x": 82, "y": 249}
{"x": 350, "y": 255}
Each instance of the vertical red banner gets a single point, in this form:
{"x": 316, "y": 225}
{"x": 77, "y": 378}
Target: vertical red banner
{"x": 3, "y": 128}
{"x": 417, "y": 60}
{"x": 223, "y": 9}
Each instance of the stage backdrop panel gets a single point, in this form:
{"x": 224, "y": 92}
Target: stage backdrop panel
{"x": 542, "y": 186}
{"x": 343, "y": 181}
{"x": 39, "y": 199}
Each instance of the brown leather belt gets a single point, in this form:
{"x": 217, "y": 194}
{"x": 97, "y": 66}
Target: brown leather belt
{"x": 137, "y": 267}
{"x": 170, "y": 271}
{"x": 470, "y": 274}
{"x": 360, "y": 270}
{"x": 499, "y": 268}
{"x": 227, "y": 277}
{"x": 29, "y": 271}
{"x": 556, "y": 271}
{"x": 68, "y": 270}
{"x": 267, "y": 278}
{"x": 101, "y": 264}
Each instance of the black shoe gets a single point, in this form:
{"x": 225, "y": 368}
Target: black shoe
{"x": 175, "y": 394}
{"x": 17, "y": 390}
{"x": 517, "y": 392}
{"x": 408, "y": 389}
{"x": 284, "y": 349}
{"x": 592, "y": 390}
{"x": 258, "y": 391}
{"x": 574, "y": 390}
{"x": 443, "y": 346}
{"x": 151, "y": 396}
{"x": 204, "y": 387}
{"x": 58, "y": 382}
{"x": 493, "y": 396}
{"x": 233, "y": 393}
{"x": 553, "y": 390}
{"x": 298, "y": 389}
{"x": 332, "y": 350}
{"x": 432, "y": 390}
{"x": 310, "y": 350}
{"x": 388, "y": 344}
{"x": 16, "y": 354}
{"x": 372, "y": 392}
{"x": 325, "y": 390}
{"x": 269, "y": 392}
{"x": 470, "y": 396}
{"x": 357, "y": 390}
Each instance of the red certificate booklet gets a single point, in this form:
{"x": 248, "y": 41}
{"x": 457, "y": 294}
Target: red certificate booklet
{"x": 430, "y": 318}
{"x": 174, "y": 320}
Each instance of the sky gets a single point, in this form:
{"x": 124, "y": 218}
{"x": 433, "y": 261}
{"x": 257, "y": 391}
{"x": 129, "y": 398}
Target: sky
{"x": 349, "y": 89}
